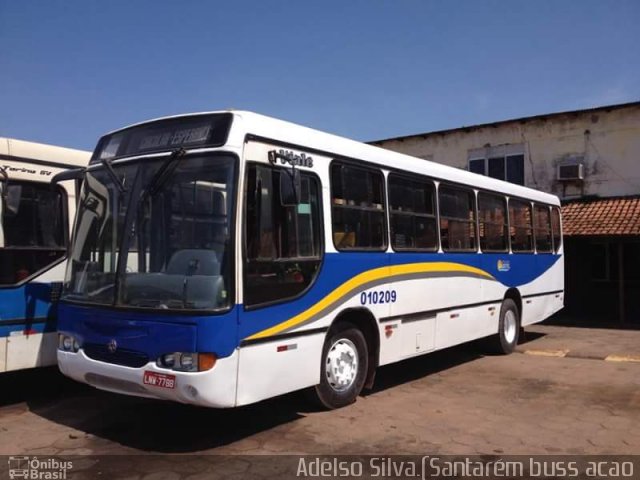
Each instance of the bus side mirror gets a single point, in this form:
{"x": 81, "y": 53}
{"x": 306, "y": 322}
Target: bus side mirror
{"x": 289, "y": 187}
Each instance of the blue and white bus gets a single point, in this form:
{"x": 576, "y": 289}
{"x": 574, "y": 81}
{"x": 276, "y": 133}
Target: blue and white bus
{"x": 34, "y": 232}
{"x": 223, "y": 258}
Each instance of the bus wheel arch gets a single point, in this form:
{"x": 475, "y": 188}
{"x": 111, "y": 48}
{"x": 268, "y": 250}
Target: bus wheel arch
{"x": 514, "y": 295}
{"x": 509, "y": 324}
{"x": 348, "y": 361}
{"x": 365, "y": 321}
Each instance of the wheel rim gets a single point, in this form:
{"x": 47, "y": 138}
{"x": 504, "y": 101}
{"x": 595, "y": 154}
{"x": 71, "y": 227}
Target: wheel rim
{"x": 341, "y": 366}
{"x": 510, "y": 326}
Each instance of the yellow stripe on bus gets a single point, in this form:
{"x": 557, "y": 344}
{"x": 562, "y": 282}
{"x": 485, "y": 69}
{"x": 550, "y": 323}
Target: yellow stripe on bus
{"x": 364, "y": 278}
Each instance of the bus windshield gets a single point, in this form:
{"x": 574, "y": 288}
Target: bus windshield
{"x": 155, "y": 234}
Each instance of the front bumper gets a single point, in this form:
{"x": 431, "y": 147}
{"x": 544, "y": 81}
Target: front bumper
{"x": 213, "y": 388}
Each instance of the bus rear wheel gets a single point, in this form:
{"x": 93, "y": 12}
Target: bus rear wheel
{"x": 344, "y": 368}
{"x": 506, "y": 340}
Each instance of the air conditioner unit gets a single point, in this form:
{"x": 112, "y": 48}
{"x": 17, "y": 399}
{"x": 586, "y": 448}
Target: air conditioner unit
{"x": 571, "y": 172}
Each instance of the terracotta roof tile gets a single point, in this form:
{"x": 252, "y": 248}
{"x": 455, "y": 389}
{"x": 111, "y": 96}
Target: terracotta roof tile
{"x": 606, "y": 216}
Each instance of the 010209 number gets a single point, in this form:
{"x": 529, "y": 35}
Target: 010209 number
{"x": 378, "y": 297}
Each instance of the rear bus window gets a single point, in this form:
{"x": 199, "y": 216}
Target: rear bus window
{"x": 492, "y": 219}
{"x": 357, "y": 208}
{"x": 543, "y": 229}
{"x": 413, "y": 215}
{"x": 520, "y": 225}
{"x": 457, "y": 219}
{"x": 555, "y": 228}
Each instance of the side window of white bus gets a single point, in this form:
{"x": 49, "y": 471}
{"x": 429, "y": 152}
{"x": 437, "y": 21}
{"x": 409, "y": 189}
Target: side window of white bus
{"x": 542, "y": 222}
{"x": 492, "y": 220}
{"x": 34, "y": 225}
{"x": 520, "y": 222}
{"x": 283, "y": 244}
{"x": 358, "y": 213}
{"x": 413, "y": 214}
{"x": 555, "y": 228}
{"x": 457, "y": 219}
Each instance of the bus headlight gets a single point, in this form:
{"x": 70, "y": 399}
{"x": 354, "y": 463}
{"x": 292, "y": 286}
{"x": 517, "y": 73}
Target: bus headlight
{"x": 67, "y": 343}
{"x": 187, "y": 361}
{"x": 167, "y": 361}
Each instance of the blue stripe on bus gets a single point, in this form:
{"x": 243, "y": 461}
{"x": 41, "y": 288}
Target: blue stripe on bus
{"x": 23, "y": 326}
{"x": 27, "y": 307}
{"x": 223, "y": 333}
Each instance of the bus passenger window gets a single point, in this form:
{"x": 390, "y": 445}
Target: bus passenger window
{"x": 555, "y": 228}
{"x": 543, "y": 229}
{"x": 492, "y": 218}
{"x": 520, "y": 225}
{"x": 357, "y": 208}
{"x": 413, "y": 214}
{"x": 457, "y": 219}
{"x": 283, "y": 243}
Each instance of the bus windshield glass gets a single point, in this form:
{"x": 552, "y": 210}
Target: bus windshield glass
{"x": 155, "y": 234}
{"x": 32, "y": 229}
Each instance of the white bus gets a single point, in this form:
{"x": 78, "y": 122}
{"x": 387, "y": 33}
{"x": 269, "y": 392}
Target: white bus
{"x": 223, "y": 258}
{"x": 35, "y": 222}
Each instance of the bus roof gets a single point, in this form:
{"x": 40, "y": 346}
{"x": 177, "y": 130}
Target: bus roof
{"x": 13, "y": 149}
{"x": 287, "y": 132}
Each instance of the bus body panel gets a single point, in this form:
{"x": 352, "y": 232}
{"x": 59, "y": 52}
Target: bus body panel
{"x": 277, "y": 367}
{"x": 150, "y": 333}
{"x": 213, "y": 388}
{"x": 28, "y": 336}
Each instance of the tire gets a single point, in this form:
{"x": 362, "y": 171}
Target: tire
{"x": 506, "y": 340}
{"x": 340, "y": 380}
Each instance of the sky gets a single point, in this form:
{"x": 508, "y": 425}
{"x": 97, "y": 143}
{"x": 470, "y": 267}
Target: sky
{"x": 73, "y": 70}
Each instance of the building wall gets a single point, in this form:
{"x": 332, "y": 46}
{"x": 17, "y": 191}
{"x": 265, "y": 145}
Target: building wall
{"x": 606, "y": 141}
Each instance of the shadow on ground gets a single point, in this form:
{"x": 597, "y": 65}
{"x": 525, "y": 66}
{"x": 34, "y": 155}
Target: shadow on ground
{"x": 527, "y": 336}
{"x": 45, "y": 384}
{"x": 565, "y": 319}
{"x": 158, "y": 426}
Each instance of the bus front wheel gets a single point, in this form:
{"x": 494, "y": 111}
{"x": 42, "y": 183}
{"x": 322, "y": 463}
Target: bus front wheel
{"x": 506, "y": 340}
{"x": 344, "y": 367}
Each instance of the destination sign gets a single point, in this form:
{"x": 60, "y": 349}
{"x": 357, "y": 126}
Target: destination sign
{"x": 165, "y": 135}
{"x": 176, "y": 139}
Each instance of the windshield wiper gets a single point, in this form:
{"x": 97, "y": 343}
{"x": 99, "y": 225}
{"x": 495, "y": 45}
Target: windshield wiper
{"x": 162, "y": 175}
{"x": 114, "y": 176}
{"x": 159, "y": 179}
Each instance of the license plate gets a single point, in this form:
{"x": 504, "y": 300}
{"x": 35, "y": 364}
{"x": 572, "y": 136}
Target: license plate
{"x": 161, "y": 380}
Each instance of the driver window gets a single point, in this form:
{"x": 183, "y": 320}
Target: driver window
{"x": 283, "y": 243}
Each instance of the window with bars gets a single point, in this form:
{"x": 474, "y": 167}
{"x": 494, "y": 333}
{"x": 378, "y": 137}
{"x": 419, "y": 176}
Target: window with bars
{"x": 492, "y": 222}
{"x": 542, "y": 221}
{"x": 358, "y": 211}
{"x": 520, "y": 224}
{"x": 413, "y": 214}
{"x": 502, "y": 167}
{"x": 457, "y": 219}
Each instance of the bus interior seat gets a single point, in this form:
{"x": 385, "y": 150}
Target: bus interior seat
{"x": 344, "y": 239}
{"x": 194, "y": 262}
